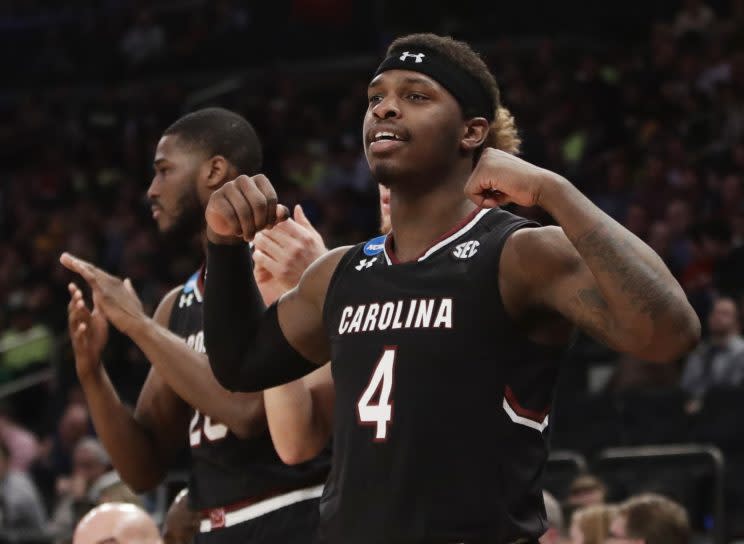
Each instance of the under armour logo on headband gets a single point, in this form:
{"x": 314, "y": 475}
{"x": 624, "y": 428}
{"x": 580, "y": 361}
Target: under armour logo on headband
{"x": 418, "y": 56}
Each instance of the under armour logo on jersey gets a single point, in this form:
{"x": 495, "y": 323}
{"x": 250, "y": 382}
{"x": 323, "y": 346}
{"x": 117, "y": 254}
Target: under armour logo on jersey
{"x": 186, "y": 300}
{"x": 418, "y": 56}
{"x": 466, "y": 249}
{"x": 365, "y": 263}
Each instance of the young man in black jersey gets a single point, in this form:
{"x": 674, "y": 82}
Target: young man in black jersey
{"x": 444, "y": 347}
{"x": 239, "y": 486}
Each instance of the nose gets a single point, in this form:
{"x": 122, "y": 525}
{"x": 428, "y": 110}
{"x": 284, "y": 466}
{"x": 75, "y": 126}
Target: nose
{"x": 387, "y": 108}
{"x": 152, "y": 190}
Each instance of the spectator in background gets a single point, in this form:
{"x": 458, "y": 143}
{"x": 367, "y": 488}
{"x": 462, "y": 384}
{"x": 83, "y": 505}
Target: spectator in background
{"x": 26, "y": 342}
{"x": 591, "y": 524}
{"x": 144, "y": 41}
{"x": 649, "y": 519}
{"x": 20, "y": 442}
{"x": 76, "y": 494}
{"x": 554, "y": 534}
{"x": 586, "y": 490}
{"x": 695, "y": 17}
{"x": 719, "y": 358}
{"x": 117, "y": 523}
{"x": 21, "y": 507}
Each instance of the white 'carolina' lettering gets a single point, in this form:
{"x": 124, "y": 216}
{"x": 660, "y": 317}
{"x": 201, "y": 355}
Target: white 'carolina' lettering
{"x": 420, "y": 314}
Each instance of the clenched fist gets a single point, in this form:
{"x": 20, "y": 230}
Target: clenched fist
{"x": 241, "y": 208}
{"x": 500, "y": 178}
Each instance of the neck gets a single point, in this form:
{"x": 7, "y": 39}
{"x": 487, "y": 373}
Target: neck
{"x": 419, "y": 216}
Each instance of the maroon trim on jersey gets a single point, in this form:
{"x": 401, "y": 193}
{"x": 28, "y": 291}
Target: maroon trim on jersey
{"x": 460, "y": 224}
{"x": 217, "y": 514}
{"x": 537, "y": 417}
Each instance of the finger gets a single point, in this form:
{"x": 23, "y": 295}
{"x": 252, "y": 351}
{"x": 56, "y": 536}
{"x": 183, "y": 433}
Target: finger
{"x": 129, "y": 287}
{"x": 286, "y": 234}
{"x": 264, "y": 185}
{"x": 301, "y": 218}
{"x": 257, "y": 201}
{"x": 282, "y": 213}
{"x": 267, "y": 245}
{"x": 242, "y": 207}
{"x": 88, "y": 271}
{"x": 221, "y": 217}
{"x": 264, "y": 261}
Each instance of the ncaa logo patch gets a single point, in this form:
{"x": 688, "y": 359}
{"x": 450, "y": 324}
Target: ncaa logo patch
{"x": 466, "y": 249}
{"x": 375, "y": 245}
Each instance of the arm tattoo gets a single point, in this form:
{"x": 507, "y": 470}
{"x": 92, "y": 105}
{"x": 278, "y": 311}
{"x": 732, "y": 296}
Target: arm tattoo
{"x": 635, "y": 278}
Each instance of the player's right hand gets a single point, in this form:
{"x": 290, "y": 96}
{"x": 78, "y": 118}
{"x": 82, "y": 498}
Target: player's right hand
{"x": 241, "y": 208}
{"x": 88, "y": 332}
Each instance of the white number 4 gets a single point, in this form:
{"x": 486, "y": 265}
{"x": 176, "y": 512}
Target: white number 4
{"x": 380, "y": 414}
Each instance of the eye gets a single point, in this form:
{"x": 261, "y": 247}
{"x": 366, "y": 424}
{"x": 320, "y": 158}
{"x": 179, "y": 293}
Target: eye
{"x": 416, "y": 97}
{"x": 375, "y": 98}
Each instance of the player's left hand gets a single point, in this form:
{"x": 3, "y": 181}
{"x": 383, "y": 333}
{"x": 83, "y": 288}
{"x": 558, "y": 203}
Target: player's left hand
{"x": 500, "y": 178}
{"x": 116, "y": 298}
{"x": 283, "y": 253}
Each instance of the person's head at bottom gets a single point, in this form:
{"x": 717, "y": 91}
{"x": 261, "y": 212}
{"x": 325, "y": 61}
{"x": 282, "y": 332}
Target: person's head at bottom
{"x": 650, "y": 519}
{"x": 116, "y": 523}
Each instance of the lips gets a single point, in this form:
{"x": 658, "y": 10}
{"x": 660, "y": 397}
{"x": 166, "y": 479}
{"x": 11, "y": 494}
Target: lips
{"x": 385, "y": 138}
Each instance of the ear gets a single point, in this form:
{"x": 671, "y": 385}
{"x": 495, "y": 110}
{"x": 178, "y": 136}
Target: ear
{"x": 475, "y": 133}
{"x": 218, "y": 171}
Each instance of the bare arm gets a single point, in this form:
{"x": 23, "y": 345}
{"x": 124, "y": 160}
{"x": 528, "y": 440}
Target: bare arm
{"x": 188, "y": 373}
{"x": 300, "y": 415}
{"x": 591, "y": 270}
{"x": 140, "y": 445}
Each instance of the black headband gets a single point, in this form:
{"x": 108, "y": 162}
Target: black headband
{"x": 474, "y": 100}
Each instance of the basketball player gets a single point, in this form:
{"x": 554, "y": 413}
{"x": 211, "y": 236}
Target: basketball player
{"x": 445, "y": 341}
{"x": 242, "y": 489}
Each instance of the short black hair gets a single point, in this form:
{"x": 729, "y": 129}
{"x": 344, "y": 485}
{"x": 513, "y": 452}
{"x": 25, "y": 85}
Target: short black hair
{"x": 218, "y": 131}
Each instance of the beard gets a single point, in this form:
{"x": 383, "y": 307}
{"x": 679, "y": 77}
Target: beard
{"x": 188, "y": 221}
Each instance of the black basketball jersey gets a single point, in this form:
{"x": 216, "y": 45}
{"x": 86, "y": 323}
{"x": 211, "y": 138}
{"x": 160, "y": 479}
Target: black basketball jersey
{"x": 224, "y": 468}
{"x": 441, "y": 401}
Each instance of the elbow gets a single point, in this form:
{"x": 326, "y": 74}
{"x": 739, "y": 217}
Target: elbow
{"x": 295, "y": 455}
{"x": 672, "y": 342}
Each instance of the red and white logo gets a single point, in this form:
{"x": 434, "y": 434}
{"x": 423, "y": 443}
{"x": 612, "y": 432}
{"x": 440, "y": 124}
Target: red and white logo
{"x": 217, "y": 518}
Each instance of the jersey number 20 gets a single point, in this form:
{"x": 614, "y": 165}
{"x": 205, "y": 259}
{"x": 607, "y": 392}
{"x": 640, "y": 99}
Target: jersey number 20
{"x": 201, "y": 424}
{"x": 381, "y": 413}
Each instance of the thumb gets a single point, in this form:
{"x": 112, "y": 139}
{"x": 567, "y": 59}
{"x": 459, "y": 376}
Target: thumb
{"x": 129, "y": 287}
{"x": 301, "y": 218}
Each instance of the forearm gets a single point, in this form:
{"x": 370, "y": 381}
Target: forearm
{"x": 189, "y": 375}
{"x": 232, "y": 310}
{"x": 246, "y": 346}
{"x": 297, "y": 430}
{"x": 133, "y": 451}
{"x": 645, "y": 302}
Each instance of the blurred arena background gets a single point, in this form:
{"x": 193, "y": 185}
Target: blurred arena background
{"x": 640, "y": 104}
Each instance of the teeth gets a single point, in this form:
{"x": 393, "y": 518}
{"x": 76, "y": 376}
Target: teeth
{"x": 381, "y": 135}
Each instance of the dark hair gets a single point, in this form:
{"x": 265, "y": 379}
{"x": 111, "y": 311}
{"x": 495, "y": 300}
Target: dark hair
{"x": 218, "y": 131}
{"x": 503, "y": 131}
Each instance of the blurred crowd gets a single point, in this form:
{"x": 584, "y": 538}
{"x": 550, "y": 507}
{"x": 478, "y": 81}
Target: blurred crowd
{"x": 652, "y": 130}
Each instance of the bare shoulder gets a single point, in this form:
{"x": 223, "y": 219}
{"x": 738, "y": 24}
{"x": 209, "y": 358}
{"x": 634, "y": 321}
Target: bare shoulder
{"x": 534, "y": 253}
{"x": 163, "y": 311}
{"x": 316, "y": 279}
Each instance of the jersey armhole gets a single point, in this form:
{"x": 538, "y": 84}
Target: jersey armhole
{"x": 347, "y": 257}
{"x": 510, "y": 321}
